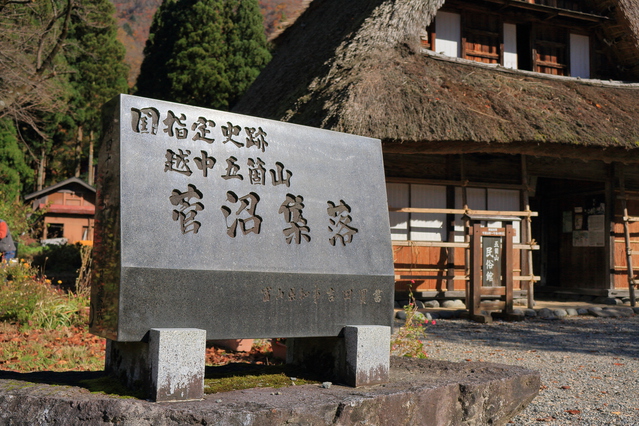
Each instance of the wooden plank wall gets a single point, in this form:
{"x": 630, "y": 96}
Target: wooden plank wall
{"x": 421, "y": 259}
{"x": 619, "y": 272}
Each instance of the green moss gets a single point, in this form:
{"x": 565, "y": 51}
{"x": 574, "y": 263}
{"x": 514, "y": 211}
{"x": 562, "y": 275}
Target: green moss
{"x": 11, "y": 385}
{"x": 255, "y": 377}
{"x": 218, "y": 379}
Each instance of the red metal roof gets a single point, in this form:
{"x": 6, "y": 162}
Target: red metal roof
{"x": 59, "y": 208}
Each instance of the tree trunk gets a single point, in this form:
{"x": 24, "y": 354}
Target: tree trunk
{"x": 41, "y": 169}
{"x": 78, "y": 153}
{"x": 91, "y": 177}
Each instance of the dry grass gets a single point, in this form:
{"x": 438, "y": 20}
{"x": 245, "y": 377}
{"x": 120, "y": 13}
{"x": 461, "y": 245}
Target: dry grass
{"x": 63, "y": 349}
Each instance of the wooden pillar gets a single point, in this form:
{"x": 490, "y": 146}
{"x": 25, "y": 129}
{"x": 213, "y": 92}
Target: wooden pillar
{"x": 450, "y": 251}
{"x": 612, "y": 211}
{"x": 626, "y": 231}
{"x": 508, "y": 265}
{"x": 474, "y": 299}
{"x": 467, "y": 230}
{"x": 527, "y": 259}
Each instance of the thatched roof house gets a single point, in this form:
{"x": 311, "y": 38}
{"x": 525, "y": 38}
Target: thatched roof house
{"x": 366, "y": 67}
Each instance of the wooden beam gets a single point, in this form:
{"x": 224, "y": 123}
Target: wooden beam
{"x": 430, "y": 277}
{"x": 553, "y": 11}
{"x": 462, "y": 211}
{"x": 493, "y": 291}
{"x": 429, "y": 244}
{"x": 457, "y": 245}
{"x": 454, "y": 183}
{"x": 607, "y": 154}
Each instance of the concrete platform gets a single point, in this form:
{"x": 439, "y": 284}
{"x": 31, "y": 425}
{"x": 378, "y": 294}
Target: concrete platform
{"x": 424, "y": 392}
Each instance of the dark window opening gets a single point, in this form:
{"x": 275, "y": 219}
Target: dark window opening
{"x": 524, "y": 47}
{"x": 55, "y": 230}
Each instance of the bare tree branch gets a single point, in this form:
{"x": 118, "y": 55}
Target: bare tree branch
{"x": 31, "y": 36}
{"x": 59, "y": 40}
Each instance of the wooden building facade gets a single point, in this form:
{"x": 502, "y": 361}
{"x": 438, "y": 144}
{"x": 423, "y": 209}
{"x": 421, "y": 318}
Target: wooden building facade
{"x": 504, "y": 109}
{"x": 69, "y": 210}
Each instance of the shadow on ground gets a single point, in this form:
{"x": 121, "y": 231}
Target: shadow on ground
{"x": 618, "y": 336}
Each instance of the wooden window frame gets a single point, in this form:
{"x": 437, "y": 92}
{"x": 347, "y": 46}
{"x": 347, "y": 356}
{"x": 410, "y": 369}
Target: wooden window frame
{"x": 532, "y": 59}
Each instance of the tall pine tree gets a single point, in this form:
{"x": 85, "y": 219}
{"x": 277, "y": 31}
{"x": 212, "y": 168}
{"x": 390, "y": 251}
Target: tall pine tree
{"x": 99, "y": 75}
{"x": 203, "y": 52}
{"x": 247, "y": 47}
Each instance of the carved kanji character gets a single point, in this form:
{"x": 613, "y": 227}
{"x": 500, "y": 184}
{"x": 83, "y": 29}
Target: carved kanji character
{"x": 232, "y": 169}
{"x": 204, "y": 162}
{"x": 140, "y": 120}
{"x": 257, "y": 172}
{"x": 187, "y": 210}
{"x": 244, "y": 217}
{"x": 229, "y": 131}
{"x": 291, "y": 208}
{"x": 202, "y": 125}
{"x": 177, "y": 162}
{"x": 255, "y": 138}
{"x": 339, "y": 223}
{"x": 175, "y": 126}
{"x": 278, "y": 177}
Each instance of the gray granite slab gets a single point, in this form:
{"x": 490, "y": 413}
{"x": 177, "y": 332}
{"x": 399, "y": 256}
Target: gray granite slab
{"x": 204, "y": 216}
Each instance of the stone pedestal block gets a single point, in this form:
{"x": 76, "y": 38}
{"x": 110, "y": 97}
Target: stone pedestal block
{"x": 359, "y": 357}
{"x": 177, "y": 363}
{"x": 169, "y": 367}
{"x": 367, "y": 354}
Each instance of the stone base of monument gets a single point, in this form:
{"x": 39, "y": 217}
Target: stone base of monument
{"x": 168, "y": 367}
{"x": 419, "y": 392}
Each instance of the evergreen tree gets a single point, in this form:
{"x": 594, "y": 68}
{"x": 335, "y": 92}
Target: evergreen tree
{"x": 153, "y": 80}
{"x": 98, "y": 64}
{"x": 99, "y": 75}
{"x": 203, "y": 52}
{"x": 13, "y": 167}
{"x": 95, "y": 73}
{"x": 248, "y": 54}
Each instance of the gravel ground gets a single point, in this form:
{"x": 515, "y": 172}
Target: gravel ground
{"x": 589, "y": 366}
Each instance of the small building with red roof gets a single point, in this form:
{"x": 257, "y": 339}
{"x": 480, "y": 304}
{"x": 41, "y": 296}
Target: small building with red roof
{"x": 70, "y": 208}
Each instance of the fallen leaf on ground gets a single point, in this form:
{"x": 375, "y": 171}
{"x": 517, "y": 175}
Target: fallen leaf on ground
{"x": 546, "y": 419}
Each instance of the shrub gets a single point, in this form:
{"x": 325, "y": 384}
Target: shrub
{"x": 23, "y": 222}
{"x": 408, "y": 340}
{"x": 68, "y": 265}
{"x": 34, "y": 302}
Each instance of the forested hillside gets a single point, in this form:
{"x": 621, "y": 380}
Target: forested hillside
{"x": 62, "y": 59}
{"x": 134, "y": 20}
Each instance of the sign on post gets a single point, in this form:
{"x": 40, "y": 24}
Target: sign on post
{"x": 492, "y": 253}
{"x": 240, "y": 226}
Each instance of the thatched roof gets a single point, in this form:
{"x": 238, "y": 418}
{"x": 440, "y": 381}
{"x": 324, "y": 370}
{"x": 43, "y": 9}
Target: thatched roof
{"x": 358, "y": 67}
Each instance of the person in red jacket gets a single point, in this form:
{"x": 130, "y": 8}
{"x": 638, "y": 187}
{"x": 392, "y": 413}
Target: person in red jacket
{"x": 7, "y": 247}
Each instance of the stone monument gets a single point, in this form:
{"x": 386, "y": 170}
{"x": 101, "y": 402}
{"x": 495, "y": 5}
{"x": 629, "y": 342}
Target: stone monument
{"x": 213, "y": 225}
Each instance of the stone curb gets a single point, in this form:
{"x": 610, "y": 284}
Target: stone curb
{"x": 421, "y": 391}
